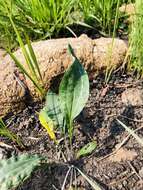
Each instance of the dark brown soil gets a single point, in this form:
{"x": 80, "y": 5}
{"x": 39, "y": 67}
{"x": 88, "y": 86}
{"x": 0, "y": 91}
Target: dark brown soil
{"x": 97, "y": 121}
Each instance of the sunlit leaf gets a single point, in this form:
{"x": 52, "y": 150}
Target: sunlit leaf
{"x": 48, "y": 124}
{"x": 73, "y": 91}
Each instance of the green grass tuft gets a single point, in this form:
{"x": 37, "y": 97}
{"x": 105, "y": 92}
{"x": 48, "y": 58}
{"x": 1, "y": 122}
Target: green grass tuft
{"x": 136, "y": 42}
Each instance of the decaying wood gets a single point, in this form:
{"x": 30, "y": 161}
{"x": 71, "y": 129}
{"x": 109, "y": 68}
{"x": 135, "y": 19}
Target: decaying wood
{"x": 54, "y": 59}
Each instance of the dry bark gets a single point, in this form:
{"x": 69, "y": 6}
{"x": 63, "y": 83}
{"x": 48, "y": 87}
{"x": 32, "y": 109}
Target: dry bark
{"x": 54, "y": 59}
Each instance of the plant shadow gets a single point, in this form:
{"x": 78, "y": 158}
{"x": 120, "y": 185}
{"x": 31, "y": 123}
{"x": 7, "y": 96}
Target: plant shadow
{"x": 53, "y": 175}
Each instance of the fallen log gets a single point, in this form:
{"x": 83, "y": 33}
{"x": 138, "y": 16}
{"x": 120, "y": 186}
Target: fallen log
{"x": 54, "y": 59}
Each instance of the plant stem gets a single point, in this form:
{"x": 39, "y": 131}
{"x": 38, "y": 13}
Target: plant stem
{"x": 71, "y": 131}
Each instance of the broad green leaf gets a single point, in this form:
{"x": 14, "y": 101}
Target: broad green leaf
{"x": 87, "y": 149}
{"x": 74, "y": 90}
{"x": 53, "y": 110}
{"x": 131, "y": 132}
{"x": 47, "y": 123}
{"x": 16, "y": 169}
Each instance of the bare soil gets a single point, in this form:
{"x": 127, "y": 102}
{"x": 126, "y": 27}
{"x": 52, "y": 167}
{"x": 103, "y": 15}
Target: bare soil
{"x": 119, "y": 171}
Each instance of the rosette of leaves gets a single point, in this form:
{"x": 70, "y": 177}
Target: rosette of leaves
{"x": 61, "y": 110}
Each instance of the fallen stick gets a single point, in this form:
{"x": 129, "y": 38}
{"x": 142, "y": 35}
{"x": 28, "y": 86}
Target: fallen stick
{"x": 54, "y": 59}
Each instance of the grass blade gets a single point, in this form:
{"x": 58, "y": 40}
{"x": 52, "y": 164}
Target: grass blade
{"x": 33, "y": 57}
{"x": 93, "y": 184}
{"x": 4, "y": 131}
{"x": 25, "y": 53}
{"x": 23, "y": 70}
{"x": 131, "y": 132}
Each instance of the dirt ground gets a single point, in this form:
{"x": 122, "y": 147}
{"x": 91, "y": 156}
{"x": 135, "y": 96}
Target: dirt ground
{"x": 120, "y": 171}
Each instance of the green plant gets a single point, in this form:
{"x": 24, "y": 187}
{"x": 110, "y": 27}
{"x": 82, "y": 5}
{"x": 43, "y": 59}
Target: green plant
{"x": 48, "y": 16}
{"x": 110, "y": 67}
{"x": 104, "y": 13}
{"x": 62, "y": 109}
{"x": 105, "y": 16}
{"x": 17, "y": 169}
{"x": 38, "y": 18}
{"x": 4, "y": 131}
{"x": 135, "y": 39}
{"x": 41, "y": 19}
{"x": 51, "y": 115}
{"x": 34, "y": 73}
{"x": 86, "y": 149}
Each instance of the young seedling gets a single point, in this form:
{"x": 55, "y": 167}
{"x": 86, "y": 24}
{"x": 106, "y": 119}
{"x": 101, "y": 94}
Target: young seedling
{"x": 73, "y": 92}
{"x": 87, "y": 149}
{"x": 73, "y": 95}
